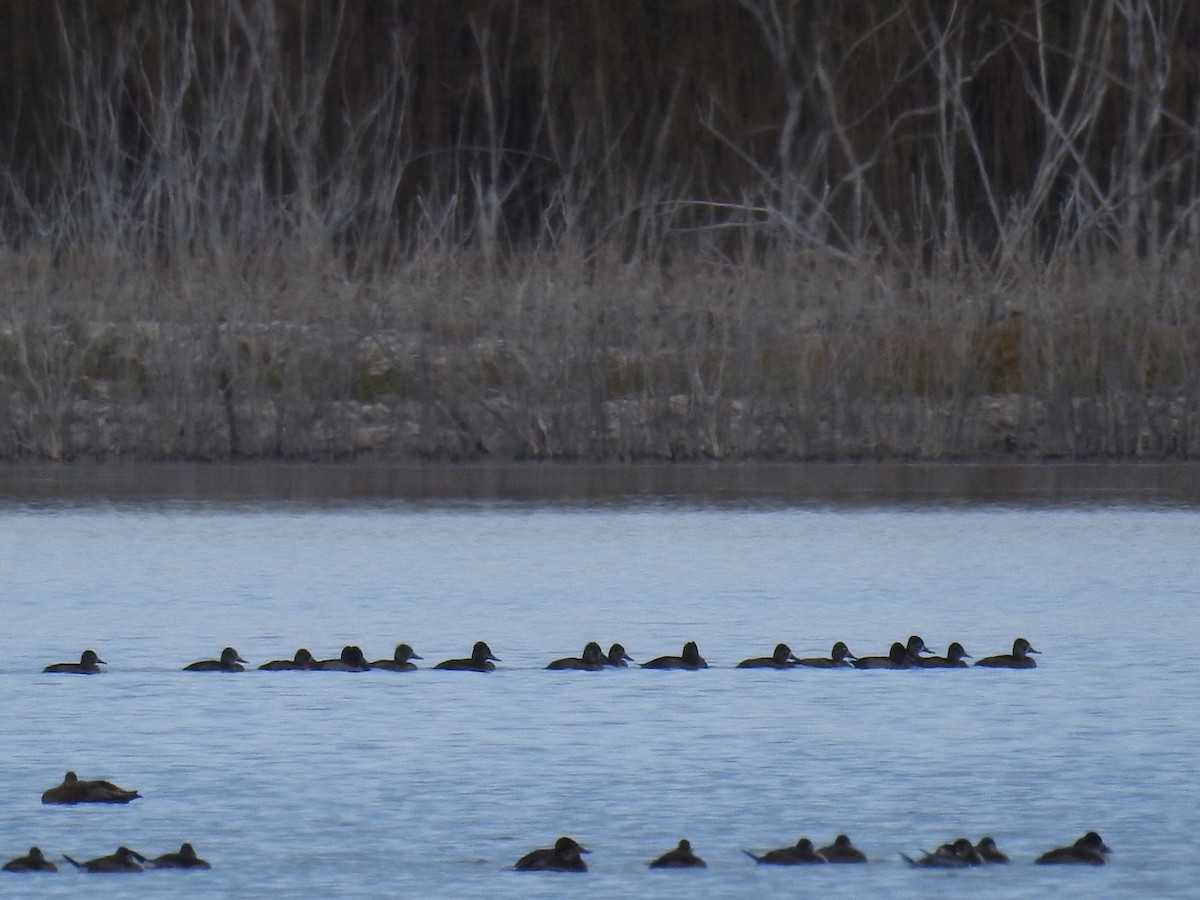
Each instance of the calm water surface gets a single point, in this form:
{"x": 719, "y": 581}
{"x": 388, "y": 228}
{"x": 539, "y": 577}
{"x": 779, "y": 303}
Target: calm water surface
{"x": 433, "y": 783}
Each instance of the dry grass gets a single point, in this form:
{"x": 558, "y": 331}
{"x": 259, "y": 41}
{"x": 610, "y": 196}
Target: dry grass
{"x": 258, "y": 229}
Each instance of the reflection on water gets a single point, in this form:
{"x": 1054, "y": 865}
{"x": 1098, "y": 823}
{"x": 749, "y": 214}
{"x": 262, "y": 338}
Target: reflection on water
{"x": 431, "y": 783}
{"x": 733, "y": 485}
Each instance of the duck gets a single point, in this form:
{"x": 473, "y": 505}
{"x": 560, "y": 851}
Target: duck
{"x": 690, "y": 658}
{"x": 781, "y": 658}
{"x": 33, "y": 861}
{"x": 123, "y": 860}
{"x": 184, "y": 858}
{"x": 564, "y": 856}
{"x": 839, "y": 658}
{"x": 1018, "y": 659}
{"x": 1088, "y": 850}
{"x": 302, "y": 660}
{"x": 958, "y": 854}
{"x": 89, "y": 664}
{"x": 989, "y": 852}
{"x": 617, "y": 657}
{"x": 802, "y": 853}
{"x": 74, "y": 790}
{"x": 351, "y": 659}
{"x": 592, "y": 660}
{"x": 481, "y": 660}
{"x": 229, "y": 662}
{"x": 681, "y": 857}
{"x": 842, "y": 850}
{"x": 955, "y": 654}
{"x": 897, "y": 658}
{"x": 401, "y": 660}
{"x": 914, "y": 648}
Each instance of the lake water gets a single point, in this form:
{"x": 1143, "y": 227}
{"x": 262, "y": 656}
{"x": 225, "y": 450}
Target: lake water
{"x": 433, "y": 783}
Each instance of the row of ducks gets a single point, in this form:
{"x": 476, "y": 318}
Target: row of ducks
{"x": 908, "y": 655}
{"x": 566, "y": 855}
{"x": 122, "y": 860}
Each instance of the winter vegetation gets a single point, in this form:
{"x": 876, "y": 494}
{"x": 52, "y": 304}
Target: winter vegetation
{"x": 642, "y": 229}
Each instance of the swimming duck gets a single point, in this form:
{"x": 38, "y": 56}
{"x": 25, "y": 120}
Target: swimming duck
{"x": 914, "y": 648}
{"x": 801, "y": 853}
{"x": 989, "y": 852}
{"x": 681, "y": 857}
{"x": 617, "y": 657}
{"x": 73, "y": 790}
{"x": 955, "y": 654}
{"x": 564, "y": 856}
{"x": 956, "y": 855}
{"x": 1018, "y": 659}
{"x": 480, "y": 660}
{"x": 33, "y": 861}
{"x": 351, "y": 659}
{"x": 782, "y": 658}
{"x": 842, "y": 850}
{"x": 400, "y": 661}
{"x": 184, "y": 858}
{"x": 897, "y": 658}
{"x": 839, "y": 658}
{"x": 690, "y": 658}
{"x": 1088, "y": 850}
{"x": 229, "y": 662}
{"x": 302, "y": 660}
{"x": 592, "y": 660}
{"x": 89, "y": 664}
{"x": 123, "y": 860}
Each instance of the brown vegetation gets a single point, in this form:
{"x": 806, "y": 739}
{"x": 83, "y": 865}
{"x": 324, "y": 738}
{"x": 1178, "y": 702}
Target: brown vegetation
{"x": 693, "y": 228}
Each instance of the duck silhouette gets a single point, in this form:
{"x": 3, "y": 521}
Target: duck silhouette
{"x": 89, "y": 664}
{"x": 689, "y": 658}
{"x": 839, "y": 658}
{"x": 351, "y": 659}
{"x": 681, "y": 857}
{"x": 401, "y": 660}
{"x": 592, "y": 660}
{"x": 842, "y": 850}
{"x": 75, "y": 790}
{"x": 1018, "y": 659}
{"x": 481, "y": 660}
{"x": 184, "y": 858}
{"x": 617, "y": 657}
{"x": 33, "y": 861}
{"x": 801, "y": 853}
{"x": 303, "y": 660}
{"x": 781, "y": 658}
{"x": 564, "y": 856}
{"x": 1089, "y": 850}
{"x": 123, "y": 860}
{"x": 229, "y": 662}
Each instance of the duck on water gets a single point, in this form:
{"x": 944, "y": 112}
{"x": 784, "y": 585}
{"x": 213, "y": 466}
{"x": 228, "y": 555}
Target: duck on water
{"x": 480, "y": 660}
{"x": 801, "y": 853}
{"x": 839, "y": 658}
{"x": 592, "y": 660}
{"x": 689, "y": 658}
{"x": 681, "y": 857}
{"x": 1018, "y": 659}
{"x": 75, "y": 790}
{"x": 781, "y": 658}
{"x": 229, "y": 662}
{"x": 89, "y": 664}
{"x": 564, "y": 856}
{"x": 401, "y": 661}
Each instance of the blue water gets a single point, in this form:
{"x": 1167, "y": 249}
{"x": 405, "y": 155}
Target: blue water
{"x": 433, "y": 783}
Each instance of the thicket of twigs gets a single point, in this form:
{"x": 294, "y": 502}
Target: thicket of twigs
{"x": 594, "y": 230}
